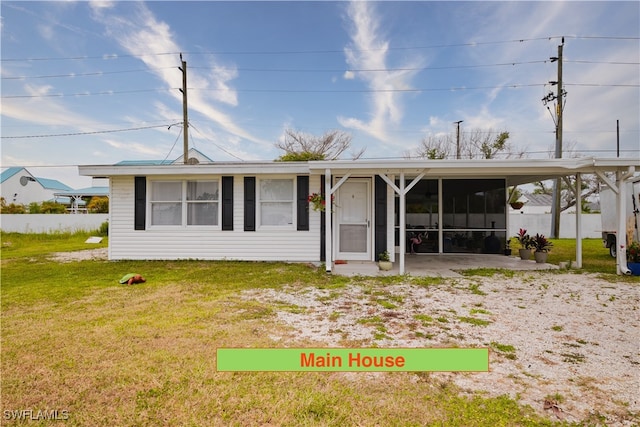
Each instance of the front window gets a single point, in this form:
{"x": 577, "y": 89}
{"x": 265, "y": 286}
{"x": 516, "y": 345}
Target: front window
{"x": 276, "y": 202}
{"x": 166, "y": 203}
{"x": 183, "y": 203}
{"x": 202, "y": 203}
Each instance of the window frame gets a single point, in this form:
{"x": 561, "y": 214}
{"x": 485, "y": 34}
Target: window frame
{"x": 292, "y": 200}
{"x": 184, "y": 203}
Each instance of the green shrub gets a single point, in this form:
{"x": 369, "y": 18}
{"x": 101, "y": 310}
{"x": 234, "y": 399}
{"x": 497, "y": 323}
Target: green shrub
{"x": 104, "y": 229}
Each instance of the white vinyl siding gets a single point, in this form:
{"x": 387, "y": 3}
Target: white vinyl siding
{"x": 205, "y": 242}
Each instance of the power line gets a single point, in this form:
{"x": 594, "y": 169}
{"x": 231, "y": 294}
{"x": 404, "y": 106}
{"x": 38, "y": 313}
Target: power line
{"x": 417, "y": 90}
{"x": 97, "y": 73}
{"x": 221, "y": 148}
{"x": 275, "y": 52}
{"x": 78, "y": 94}
{"x": 320, "y": 51}
{"x": 85, "y": 133}
{"x": 337, "y": 70}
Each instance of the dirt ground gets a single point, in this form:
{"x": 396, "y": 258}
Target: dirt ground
{"x": 570, "y": 340}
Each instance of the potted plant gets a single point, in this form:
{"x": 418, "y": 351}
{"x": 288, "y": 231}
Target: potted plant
{"x": 318, "y": 202}
{"x": 507, "y": 247}
{"x": 525, "y": 244}
{"x": 383, "y": 261}
{"x": 542, "y": 246}
{"x": 633, "y": 258}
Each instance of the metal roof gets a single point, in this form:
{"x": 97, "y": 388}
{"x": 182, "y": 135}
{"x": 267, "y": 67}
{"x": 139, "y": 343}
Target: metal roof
{"x": 9, "y": 172}
{"x": 84, "y": 192}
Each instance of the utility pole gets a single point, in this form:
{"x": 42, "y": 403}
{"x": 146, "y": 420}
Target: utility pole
{"x": 559, "y": 107}
{"x": 185, "y": 120}
{"x": 458, "y": 138}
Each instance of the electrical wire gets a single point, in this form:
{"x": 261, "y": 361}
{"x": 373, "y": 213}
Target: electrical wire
{"x": 94, "y": 74}
{"x": 213, "y": 143}
{"x": 174, "y": 142}
{"x": 84, "y": 133}
{"x": 323, "y": 51}
{"x": 78, "y": 94}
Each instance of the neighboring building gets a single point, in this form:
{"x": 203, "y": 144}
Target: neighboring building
{"x": 260, "y": 210}
{"x": 76, "y": 200}
{"x": 535, "y": 203}
{"x": 19, "y": 186}
{"x": 541, "y": 204}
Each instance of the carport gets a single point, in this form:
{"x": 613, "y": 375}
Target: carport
{"x": 400, "y": 176}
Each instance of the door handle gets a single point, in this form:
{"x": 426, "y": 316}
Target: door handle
{"x": 368, "y": 224}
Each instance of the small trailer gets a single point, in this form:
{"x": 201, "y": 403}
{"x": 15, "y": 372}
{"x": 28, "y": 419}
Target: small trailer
{"x": 608, "y": 215}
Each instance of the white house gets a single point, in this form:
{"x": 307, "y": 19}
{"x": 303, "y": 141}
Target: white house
{"x": 260, "y": 210}
{"x": 19, "y": 186}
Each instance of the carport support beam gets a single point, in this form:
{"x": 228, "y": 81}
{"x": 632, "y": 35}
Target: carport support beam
{"x": 403, "y": 224}
{"x": 578, "y": 196}
{"x": 328, "y": 260}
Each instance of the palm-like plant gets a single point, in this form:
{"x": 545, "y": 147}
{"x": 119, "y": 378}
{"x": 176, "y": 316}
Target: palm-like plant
{"x": 541, "y": 243}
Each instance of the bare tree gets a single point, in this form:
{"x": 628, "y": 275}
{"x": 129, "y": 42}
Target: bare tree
{"x": 436, "y": 147}
{"x": 299, "y": 146}
{"x": 475, "y": 144}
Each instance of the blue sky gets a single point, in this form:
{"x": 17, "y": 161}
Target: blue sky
{"x": 97, "y": 83}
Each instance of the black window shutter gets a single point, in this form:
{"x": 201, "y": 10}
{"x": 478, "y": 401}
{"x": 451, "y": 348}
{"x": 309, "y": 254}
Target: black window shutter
{"x": 227, "y": 203}
{"x": 302, "y": 203}
{"x": 249, "y": 203}
{"x": 380, "y": 216}
{"x": 140, "y": 202}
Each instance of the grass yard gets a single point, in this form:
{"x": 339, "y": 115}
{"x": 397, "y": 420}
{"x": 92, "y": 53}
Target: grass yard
{"x": 100, "y": 353}
{"x": 595, "y": 256}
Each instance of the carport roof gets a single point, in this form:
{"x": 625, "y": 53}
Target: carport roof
{"x": 516, "y": 171}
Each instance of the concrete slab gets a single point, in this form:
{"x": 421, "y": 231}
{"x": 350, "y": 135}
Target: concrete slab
{"x": 440, "y": 265}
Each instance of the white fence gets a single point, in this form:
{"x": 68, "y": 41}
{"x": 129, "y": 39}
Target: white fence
{"x": 534, "y": 223}
{"x": 47, "y": 223}
{"x": 541, "y": 223}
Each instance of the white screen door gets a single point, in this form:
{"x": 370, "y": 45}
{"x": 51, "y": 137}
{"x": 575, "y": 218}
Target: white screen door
{"x": 354, "y": 212}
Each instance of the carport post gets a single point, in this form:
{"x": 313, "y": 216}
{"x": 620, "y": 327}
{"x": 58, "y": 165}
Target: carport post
{"x": 578, "y": 220}
{"x": 328, "y": 258}
{"x": 403, "y": 224}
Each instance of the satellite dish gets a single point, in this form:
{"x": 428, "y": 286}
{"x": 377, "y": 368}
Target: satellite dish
{"x": 193, "y": 161}
{"x": 24, "y": 180}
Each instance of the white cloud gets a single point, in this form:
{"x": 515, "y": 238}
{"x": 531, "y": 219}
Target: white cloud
{"x": 368, "y": 51}
{"x": 135, "y": 148}
{"x": 349, "y": 75}
{"x": 142, "y": 32}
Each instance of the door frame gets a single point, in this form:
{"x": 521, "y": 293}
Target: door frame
{"x": 355, "y": 256}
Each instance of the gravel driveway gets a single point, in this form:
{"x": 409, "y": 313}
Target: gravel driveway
{"x": 572, "y": 340}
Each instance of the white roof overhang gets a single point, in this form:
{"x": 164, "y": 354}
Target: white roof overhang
{"x": 217, "y": 168}
{"x": 515, "y": 171}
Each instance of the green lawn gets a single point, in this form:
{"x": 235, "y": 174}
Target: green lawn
{"x": 595, "y": 257}
{"x": 75, "y": 340}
